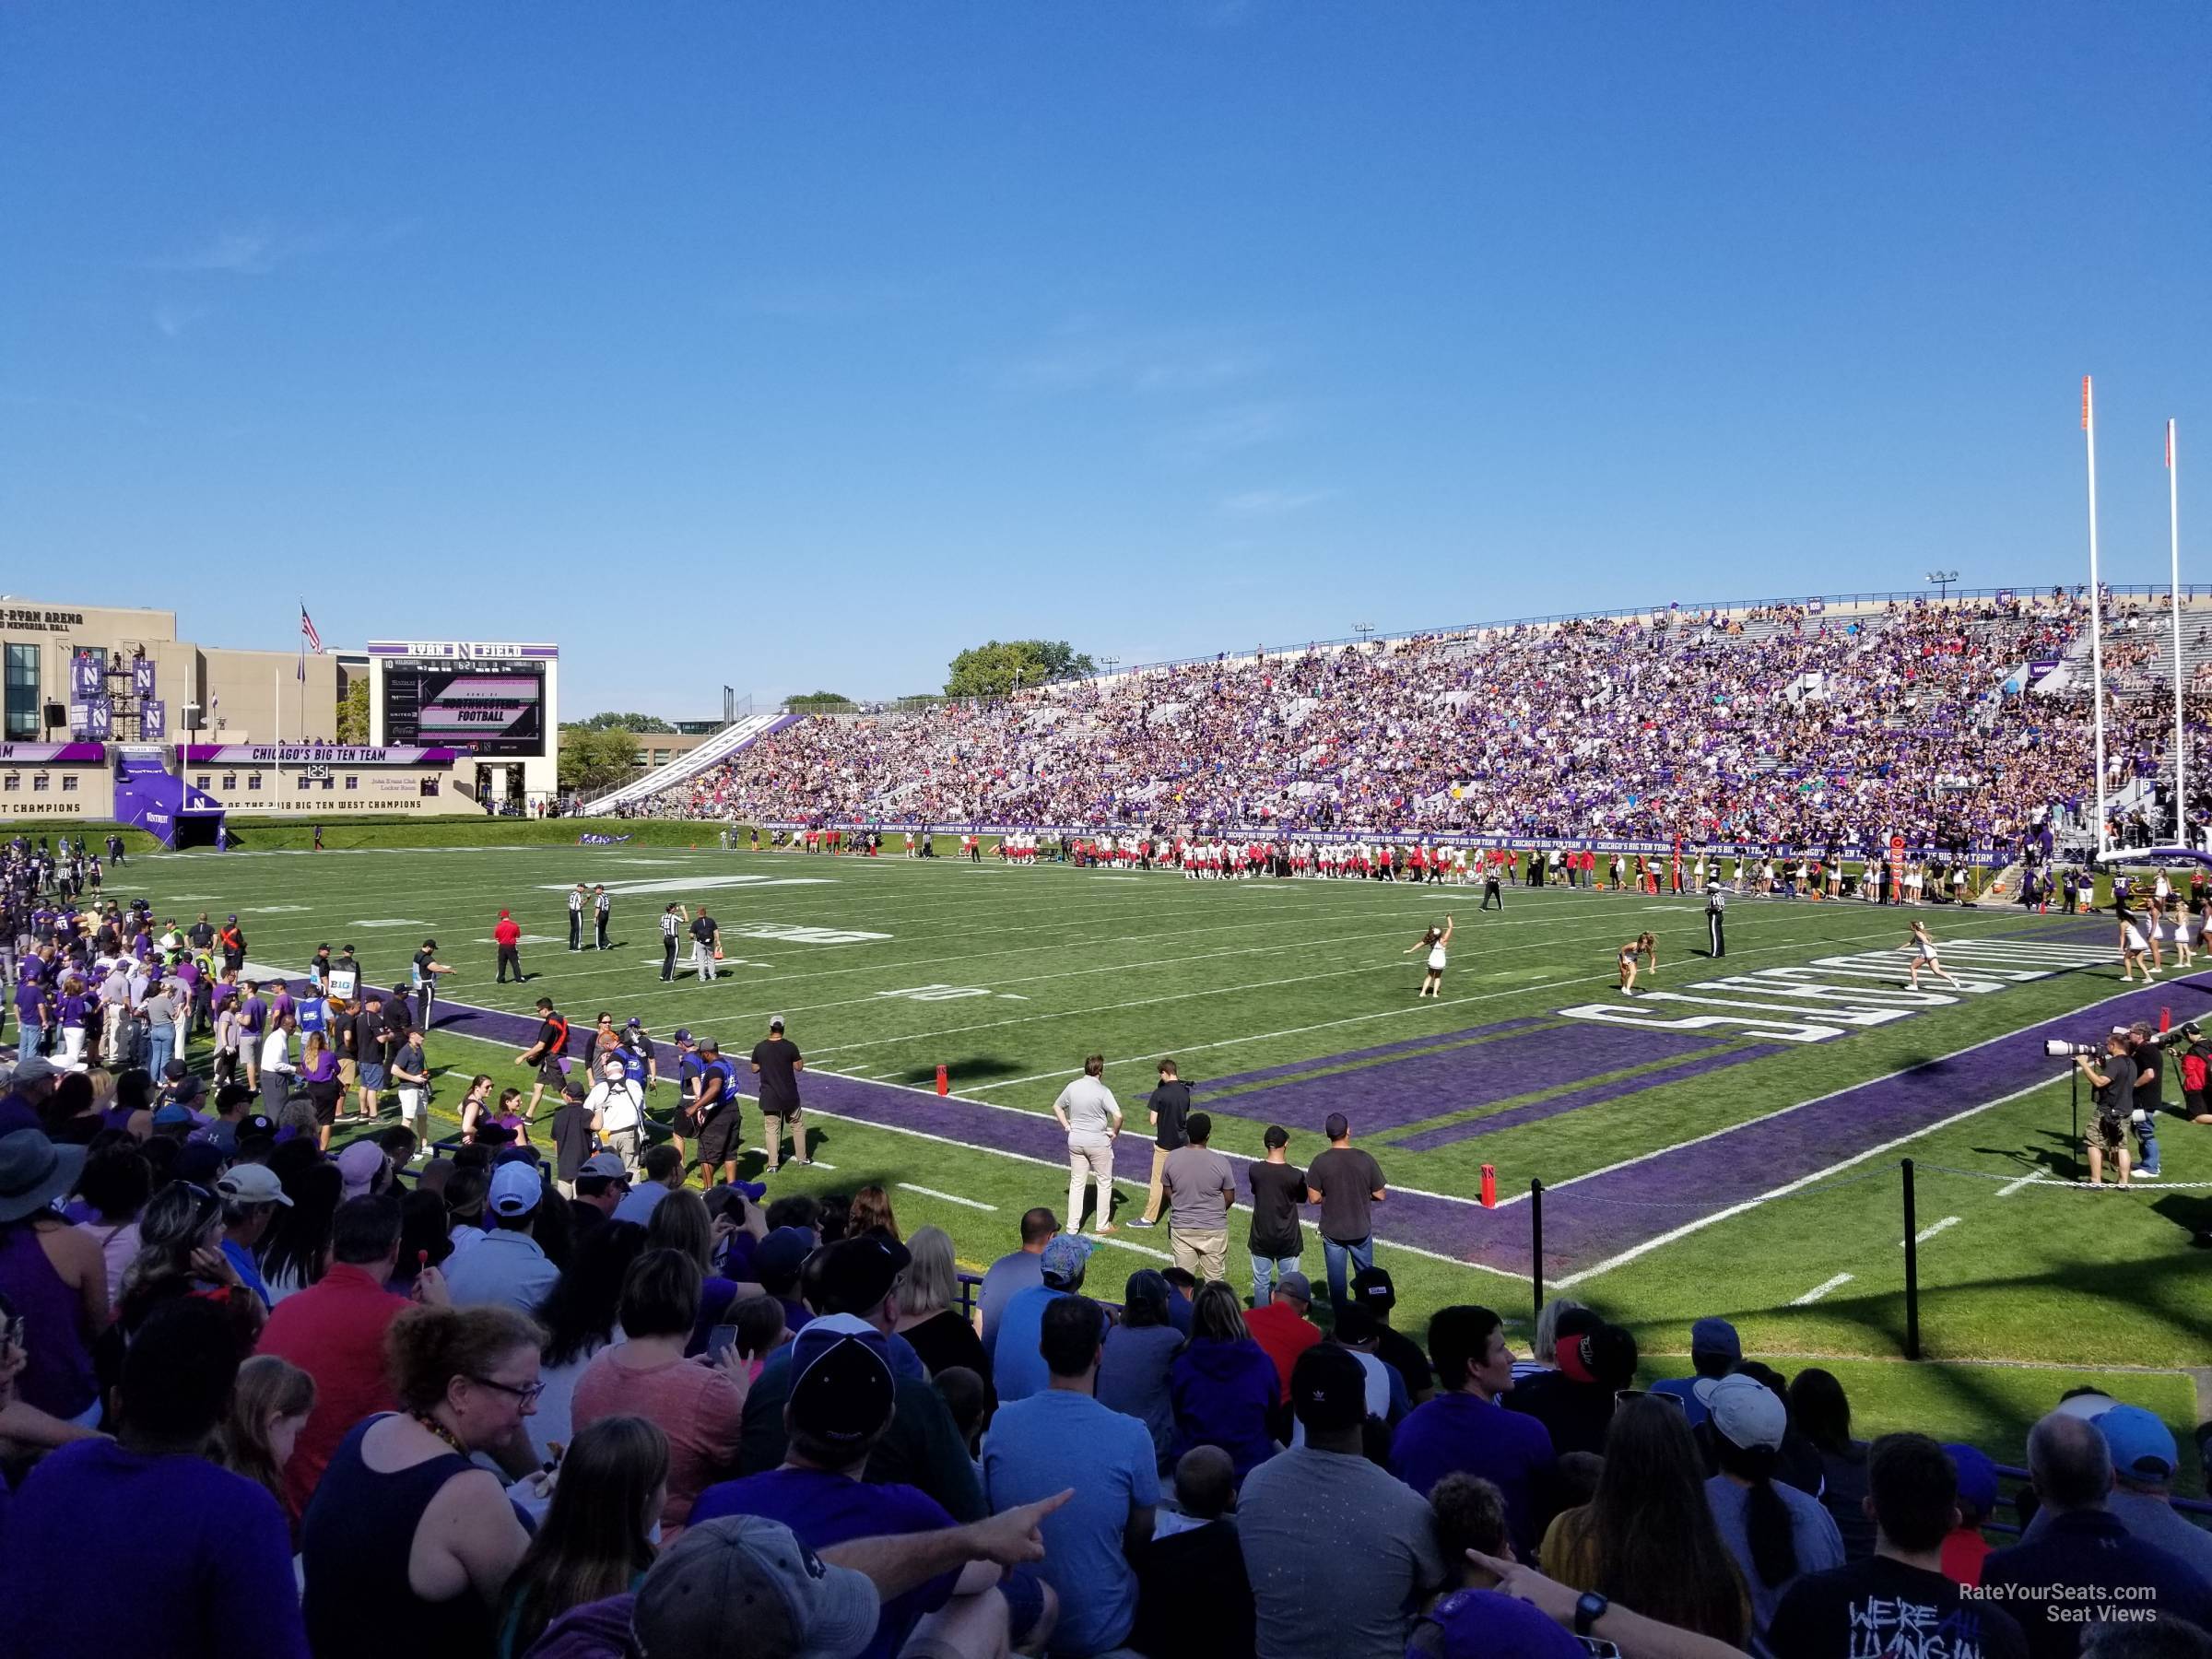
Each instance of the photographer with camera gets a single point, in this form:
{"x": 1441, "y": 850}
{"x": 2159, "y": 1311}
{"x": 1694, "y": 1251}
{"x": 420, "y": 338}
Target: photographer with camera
{"x": 2113, "y": 1085}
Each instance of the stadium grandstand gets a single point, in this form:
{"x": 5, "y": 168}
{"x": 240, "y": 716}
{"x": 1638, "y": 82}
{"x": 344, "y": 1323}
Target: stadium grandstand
{"x": 1803, "y": 723}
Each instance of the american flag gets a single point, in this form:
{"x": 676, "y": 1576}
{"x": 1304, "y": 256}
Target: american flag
{"x": 307, "y": 631}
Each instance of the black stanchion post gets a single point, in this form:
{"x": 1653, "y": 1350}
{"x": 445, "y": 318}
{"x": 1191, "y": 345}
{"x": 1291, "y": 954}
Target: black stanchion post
{"x": 1911, "y": 1268}
{"x": 1536, "y": 1244}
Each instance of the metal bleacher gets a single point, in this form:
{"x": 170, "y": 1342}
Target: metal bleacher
{"x": 720, "y": 746}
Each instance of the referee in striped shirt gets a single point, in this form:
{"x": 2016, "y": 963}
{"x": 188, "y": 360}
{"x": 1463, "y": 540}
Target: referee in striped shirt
{"x": 1716, "y": 914}
{"x": 672, "y": 930}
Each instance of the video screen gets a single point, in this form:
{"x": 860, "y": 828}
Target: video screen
{"x": 491, "y": 708}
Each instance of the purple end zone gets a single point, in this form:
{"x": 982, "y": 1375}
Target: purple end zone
{"x": 1358, "y": 1056}
{"x": 1397, "y": 1094}
{"x": 1586, "y": 1219}
{"x": 1429, "y": 1140}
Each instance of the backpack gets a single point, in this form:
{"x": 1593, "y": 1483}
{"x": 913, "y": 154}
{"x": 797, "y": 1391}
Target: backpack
{"x": 2193, "y": 1070}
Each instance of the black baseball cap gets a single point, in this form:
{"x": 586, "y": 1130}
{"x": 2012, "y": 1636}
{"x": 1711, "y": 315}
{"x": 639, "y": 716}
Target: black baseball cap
{"x": 855, "y": 1274}
{"x": 257, "y": 1124}
{"x": 842, "y": 1387}
{"x": 1337, "y": 1126}
{"x": 1328, "y": 1389}
{"x": 1373, "y": 1286}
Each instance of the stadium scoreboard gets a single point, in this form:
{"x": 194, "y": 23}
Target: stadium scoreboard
{"x": 498, "y": 700}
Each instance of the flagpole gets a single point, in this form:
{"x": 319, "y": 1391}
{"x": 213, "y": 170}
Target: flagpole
{"x": 2088, "y": 428}
{"x": 2174, "y": 520}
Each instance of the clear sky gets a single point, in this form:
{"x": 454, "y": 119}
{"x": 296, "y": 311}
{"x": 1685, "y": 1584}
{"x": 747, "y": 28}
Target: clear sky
{"x": 799, "y": 345}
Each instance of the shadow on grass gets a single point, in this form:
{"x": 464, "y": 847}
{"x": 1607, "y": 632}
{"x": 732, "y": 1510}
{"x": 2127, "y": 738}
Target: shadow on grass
{"x": 968, "y": 1069}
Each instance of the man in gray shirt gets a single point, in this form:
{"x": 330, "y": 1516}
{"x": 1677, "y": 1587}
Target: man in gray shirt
{"x": 1340, "y": 1552}
{"x": 1200, "y": 1186}
{"x": 1092, "y": 1117}
{"x": 1023, "y": 1270}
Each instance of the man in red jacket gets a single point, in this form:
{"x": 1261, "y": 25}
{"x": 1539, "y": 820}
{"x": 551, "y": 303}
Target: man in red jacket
{"x": 508, "y": 937}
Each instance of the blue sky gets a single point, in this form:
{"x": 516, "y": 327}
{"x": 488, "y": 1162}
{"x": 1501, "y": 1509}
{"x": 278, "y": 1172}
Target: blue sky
{"x": 800, "y": 346}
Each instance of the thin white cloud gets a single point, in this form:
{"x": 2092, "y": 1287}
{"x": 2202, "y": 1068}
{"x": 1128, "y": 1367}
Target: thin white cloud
{"x": 171, "y": 320}
{"x": 1272, "y": 503}
{"x": 1083, "y": 358}
{"x": 1227, "y": 430}
{"x": 257, "y": 250}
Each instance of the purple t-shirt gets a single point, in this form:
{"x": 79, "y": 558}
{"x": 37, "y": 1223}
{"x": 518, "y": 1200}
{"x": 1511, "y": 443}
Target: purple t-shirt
{"x": 823, "y": 1509}
{"x": 256, "y": 1013}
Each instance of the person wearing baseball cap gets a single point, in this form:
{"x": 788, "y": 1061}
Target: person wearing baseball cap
{"x": 1018, "y": 1370}
{"x": 250, "y": 1195}
{"x": 1332, "y": 1542}
{"x": 1776, "y": 1533}
{"x": 2145, "y": 1461}
{"x": 2080, "y": 1553}
{"x": 1373, "y": 1290}
{"x": 506, "y": 1267}
{"x": 1898, "y": 1600}
{"x": 850, "y": 1288}
{"x": 1964, "y": 1548}
{"x": 842, "y": 1402}
{"x": 1714, "y": 1351}
{"x": 1575, "y": 1402}
{"x": 600, "y": 1184}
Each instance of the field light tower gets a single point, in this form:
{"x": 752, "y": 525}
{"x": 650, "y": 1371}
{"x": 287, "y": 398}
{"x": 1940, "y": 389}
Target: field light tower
{"x": 1364, "y": 629}
{"x": 1941, "y": 581}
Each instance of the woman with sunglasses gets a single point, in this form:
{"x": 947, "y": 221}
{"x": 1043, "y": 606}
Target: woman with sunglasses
{"x": 407, "y": 1544}
{"x": 180, "y": 1254}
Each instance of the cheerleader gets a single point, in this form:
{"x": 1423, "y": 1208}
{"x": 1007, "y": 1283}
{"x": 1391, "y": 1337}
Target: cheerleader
{"x": 2133, "y": 945}
{"x": 2155, "y": 926}
{"x": 1643, "y": 945}
{"x": 1922, "y": 945}
{"x": 2184, "y": 953}
{"x": 1433, "y": 942}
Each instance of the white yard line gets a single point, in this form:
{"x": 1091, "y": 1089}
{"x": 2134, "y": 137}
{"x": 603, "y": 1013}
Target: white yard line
{"x": 1821, "y": 1290}
{"x": 908, "y": 1186}
{"x": 2010, "y": 1187}
{"x": 1929, "y": 1231}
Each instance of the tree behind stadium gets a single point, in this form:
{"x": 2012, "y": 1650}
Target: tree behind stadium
{"x": 995, "y": 669}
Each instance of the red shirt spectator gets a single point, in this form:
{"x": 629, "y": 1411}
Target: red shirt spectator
{"x": 1282, "y": 1329}
{"x": 334, "y": 1330}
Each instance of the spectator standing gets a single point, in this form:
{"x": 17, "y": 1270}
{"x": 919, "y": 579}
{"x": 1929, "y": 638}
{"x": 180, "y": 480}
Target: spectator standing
{"x": 1276, "y": 1242}
{"x": 1465, "y": 1429}
{"x": 407, "y": 1544}
{"x": 1166, "y": 1110}
{"x": 1776, "y": 1533}
{"x": 1090, "y": 1117}
{"x": 1898, "y": 1600}
{"x": 1339, "y": 1553}
{"x": 1200, "y": 1186}
{"x": 2080, "y": 1553}
{"x": 617, "y": 1110}
{"x": 1139, "y": 1353}
{"x": 209, "y": 1570}
{"x": 1062, "y": 1438}
{"x": 777, "y": 1063}
{"x": 1017, "y": 1271}
{"x": 1225, "y": 1386}
{"x": 1347, "y": 1183}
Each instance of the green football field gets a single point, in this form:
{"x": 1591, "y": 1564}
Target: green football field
{"x": 1735, "y": 1152}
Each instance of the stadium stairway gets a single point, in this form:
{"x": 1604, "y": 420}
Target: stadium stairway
{"x": 719, "y": 747}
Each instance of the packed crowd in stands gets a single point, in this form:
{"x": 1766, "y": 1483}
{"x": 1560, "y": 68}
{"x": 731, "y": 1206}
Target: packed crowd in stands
{"x": 1781, "y": 727}
{"x": 262, "y": 1399}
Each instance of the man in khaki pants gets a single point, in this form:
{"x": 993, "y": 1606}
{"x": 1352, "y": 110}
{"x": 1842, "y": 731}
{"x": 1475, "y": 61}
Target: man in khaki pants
{"x": 1200, "y": 1184}
{"x": 1170, "y": 1105}
{"x": 1091, "y": 1117}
